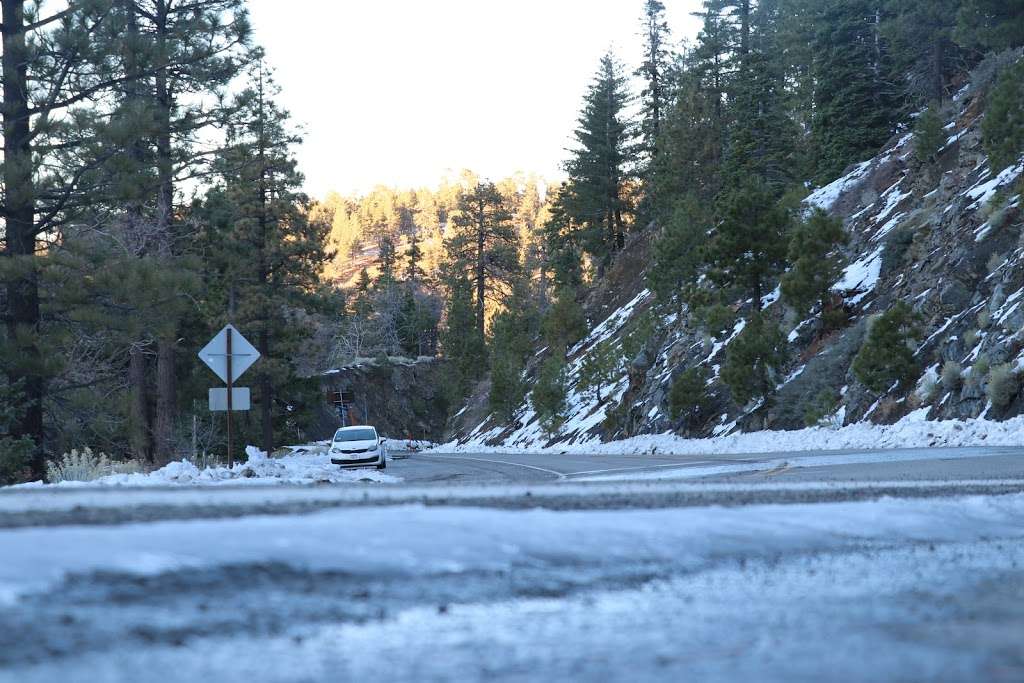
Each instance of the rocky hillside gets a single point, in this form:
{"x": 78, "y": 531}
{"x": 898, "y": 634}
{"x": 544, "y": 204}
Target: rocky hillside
{"x": 401, "y": 397}
{"x": 944, "y": 237}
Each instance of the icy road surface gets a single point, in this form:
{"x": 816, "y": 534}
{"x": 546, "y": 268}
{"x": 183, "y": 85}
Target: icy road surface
{"x": 856, "y": 566}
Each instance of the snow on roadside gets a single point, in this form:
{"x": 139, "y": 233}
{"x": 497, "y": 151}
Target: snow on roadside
{"x": 913, "y": 431}
{"x": 258, "y": 470}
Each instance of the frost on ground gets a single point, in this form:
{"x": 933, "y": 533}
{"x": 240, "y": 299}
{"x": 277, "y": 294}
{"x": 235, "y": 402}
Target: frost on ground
{"x": 913, "y": 431}
{"x": 883, "y": 590}
{"x": 301, "y": 467}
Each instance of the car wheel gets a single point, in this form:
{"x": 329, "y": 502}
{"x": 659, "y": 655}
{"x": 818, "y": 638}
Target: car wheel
{"x": 382, "y": 464}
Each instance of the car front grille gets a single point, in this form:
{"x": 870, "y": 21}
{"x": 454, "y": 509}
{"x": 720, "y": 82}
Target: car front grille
{"x": 356, "y": 461}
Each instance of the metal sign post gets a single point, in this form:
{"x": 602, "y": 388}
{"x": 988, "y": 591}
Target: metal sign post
{"x": 229, "y": 354}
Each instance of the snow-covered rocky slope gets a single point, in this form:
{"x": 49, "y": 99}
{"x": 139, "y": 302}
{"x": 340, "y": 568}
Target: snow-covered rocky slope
{"x": 946, "y": 238}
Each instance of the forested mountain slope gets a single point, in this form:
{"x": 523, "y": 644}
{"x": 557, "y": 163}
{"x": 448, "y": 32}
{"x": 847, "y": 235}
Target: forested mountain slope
{"x": 937, "y": 230}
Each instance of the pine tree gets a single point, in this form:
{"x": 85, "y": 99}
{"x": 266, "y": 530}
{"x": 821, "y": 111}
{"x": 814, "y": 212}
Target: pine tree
{"x": 920, "y": 35}
{"x": 460, "y": 344}
{"x": 991, "y": 24}
{"x": 599, "y": 369}
{"x": 269, "y": 253}
{"x": 748, "y": 246}
{"x": 887, "y": 358}
{"x": 815, "y": 262}
{"x": 564, "y": 323}
{"x": 676, "y": 253}
{"x": 753, "y": 360}
{"x": 929, "y": 134}
{"x": 513, "y": 333}
{"x": 857, "y": 104}
{"x": 762, "y": 136}
{"x": 550, "y": 392}
{"x": 1003, "y": 126}
{"x": 484, "y": 246}
{"x": 413, "y": 256}
{"x": 387, "y": 261}
{"x": 597, "y": 199}
{"x": 656, "y": 73}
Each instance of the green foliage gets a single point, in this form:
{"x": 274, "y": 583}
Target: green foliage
{"x": 856, "y": 106}
{"x": 549, "y": 393}
{"x": 929, "y": 135}
{"x": 817, "y": 410}
{"x": 14, "y": 451}
{"x": 599, "y": 368}
{"x": 886, "y": 357}
{"x": 513, "y": 334}
{"x": 688, "y": 393}
{"x": 484, "y": 246}
{"x": 991, "y": 24}
{"x": 460, "y": 344}
{"x": 816, "y": 263}
{"x": 676, "y": 251}
{"x": 596, "y": 199}
{"x": 1003, "y": 385}
{"x": 715, "y": 319}
{"x": 753, "y": 360}
{"x": 1002, "y": 129}
{"x": 640, "y": 331}
{"x": 564, "y": 323}
{"x": 919, "y": 36}
{"x": 748, "y": 246}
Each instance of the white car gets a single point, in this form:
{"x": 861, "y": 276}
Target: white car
{"x": 358, "y": 446}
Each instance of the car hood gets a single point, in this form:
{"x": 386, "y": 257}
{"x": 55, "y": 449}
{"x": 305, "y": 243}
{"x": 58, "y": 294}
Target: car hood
{"x": 353, "y": 445}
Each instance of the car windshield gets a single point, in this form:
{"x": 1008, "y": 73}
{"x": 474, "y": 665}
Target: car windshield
{"x": 355, "y": 435}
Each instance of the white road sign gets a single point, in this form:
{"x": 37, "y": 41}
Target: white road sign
{"x": 239, "y": 399}
{"x": 215, "y": 354}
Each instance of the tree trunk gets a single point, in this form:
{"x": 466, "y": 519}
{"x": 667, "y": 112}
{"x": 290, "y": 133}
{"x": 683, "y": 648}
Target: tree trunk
{"x": 166, "y": 407}
{"x": 480, "y": 272}
{"x": 138, "y": 413}
{"x": 22, "y": 274}
{"x": 166, "y": 387}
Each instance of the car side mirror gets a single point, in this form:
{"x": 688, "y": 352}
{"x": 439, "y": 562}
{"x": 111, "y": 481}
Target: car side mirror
{"x": 383, "y": 440}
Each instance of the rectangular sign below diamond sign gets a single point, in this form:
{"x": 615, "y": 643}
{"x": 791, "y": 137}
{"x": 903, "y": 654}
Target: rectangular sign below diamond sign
{"x": 239, "y": 399}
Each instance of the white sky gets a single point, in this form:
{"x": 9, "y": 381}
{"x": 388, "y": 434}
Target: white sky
{"x": 399, "y": 91}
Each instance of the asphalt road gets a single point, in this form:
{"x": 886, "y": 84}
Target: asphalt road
{"x": 933, "y": 464}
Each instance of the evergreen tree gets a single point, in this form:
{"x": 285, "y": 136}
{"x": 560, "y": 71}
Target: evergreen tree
{"x": 856, "y": 102}
{"x": 513, "y": 333}
{"x": 1002, "y": 129}
{"x": 549, "y": 393}
{"x": 269, "y": 252}
{"x": 387, "y": 260}
{"x": 887, "y": 356}
{"x": 413, "y": 257}
{"x": 762, "y": 136}
{"x": 748, "y": 246}
{"x": 484, "y": 247}
{"x": 599, "y": 369}
{"x": 676, "y": 253}
{"x": 656, "y": 72}
{"x": 929, "y": 135}
{"x": 597, "y": 199}
{"x": 753, "y": 360}
{"x": 564, "y": 324}
{"x": 460, "y": 343}
{"x": 991, "y": 24}
{"x": 921, "y": 38}
{"x": 815, "y": 263}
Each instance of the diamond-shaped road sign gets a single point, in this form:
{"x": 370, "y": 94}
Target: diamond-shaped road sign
{"x": 215, "y": 354}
